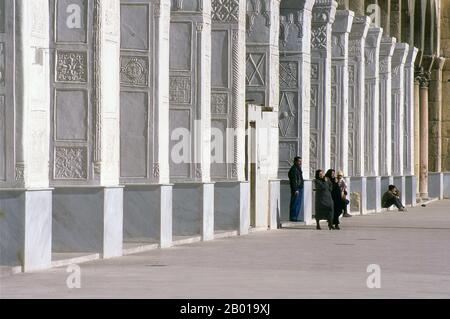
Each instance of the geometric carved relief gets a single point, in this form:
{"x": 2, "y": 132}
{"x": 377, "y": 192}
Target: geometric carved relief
{"x": 70, "y": 163}
{"x": 287, "y": 114}
{"x": 219, "y": 103}
{"x": 134, "y": 70}
{"x": 256, "y": 67}
{"x": 180, "y": 89}
{"x": 319, "y": 37}
{"x": 288, "y": 75}
{"x": 288, "y": 150}
{"x": 225, "y": 10}
{"x": 71, "y": 66}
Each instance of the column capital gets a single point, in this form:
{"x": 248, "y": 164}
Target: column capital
{"x": 422, "y": 78}
{"x": 297, "y": 5}
{"x": 411, "y": 57}
{"x": 387, "y": 46}
{"x": 343, "y": 21}
{"x": 400, "y": 53}
{"x": 360, "y": 27}
{"x": 438, "y": 63}
{"x": 324, "y": 12}
{"x": 373, "y": 37}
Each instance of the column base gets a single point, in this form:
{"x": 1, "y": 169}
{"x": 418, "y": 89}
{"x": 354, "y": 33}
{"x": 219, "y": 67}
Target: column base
{"x": 446, "y": 180}
{"x": 410, "y": 190}
{"x": 231, "y": 206}
{"x": 374, "y": 194}
{"x": 400, "y": 182}
{"x": 385, "y": 182}
{"x": 274, "y": 204}
{"x": 193, "y": 210}
{"x": 436, "y": 185}
{"x": 307, "y": 208}
{"x": 358, "y": 195}
{"x": 147, "y": 214}
{"x": 88, "y": 219}
{"x": 26, "y": 228}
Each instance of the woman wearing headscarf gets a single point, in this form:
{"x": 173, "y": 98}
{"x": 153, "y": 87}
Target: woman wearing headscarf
{"x": 336, "y": 195}
{"x": 324, "y": 202}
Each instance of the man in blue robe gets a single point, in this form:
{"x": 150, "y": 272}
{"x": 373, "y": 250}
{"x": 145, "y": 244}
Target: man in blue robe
{"x": 296, "y": 182}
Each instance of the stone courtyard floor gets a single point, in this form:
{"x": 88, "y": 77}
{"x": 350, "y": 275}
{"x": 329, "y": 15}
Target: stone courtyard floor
{"x": 412, "y": 250}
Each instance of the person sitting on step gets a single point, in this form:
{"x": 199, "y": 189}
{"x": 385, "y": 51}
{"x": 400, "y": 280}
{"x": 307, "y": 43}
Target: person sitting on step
{"x": 392, "y": 197}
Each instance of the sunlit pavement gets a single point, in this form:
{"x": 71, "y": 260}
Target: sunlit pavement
{"x": 411, "y": 251}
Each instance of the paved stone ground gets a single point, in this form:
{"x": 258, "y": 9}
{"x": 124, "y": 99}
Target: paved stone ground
{"x": 412, "y": 249}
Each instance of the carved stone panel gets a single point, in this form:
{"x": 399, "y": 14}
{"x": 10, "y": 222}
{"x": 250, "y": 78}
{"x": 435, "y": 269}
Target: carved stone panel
{"x": 225, "y": 10}
{"x": 71, "y": 21}
{"x": 134, "y": 21}
{"x": 72, "y": 92}
{"x": 256, "y": 69}
{"x": 133, "y": 134}
{"x": 180, "y": 89}
{"x": 71, "y": 115}
{"x": 70, "y": 163}
{"x": 134, "y": 70}
{"x": 71, "y": 66}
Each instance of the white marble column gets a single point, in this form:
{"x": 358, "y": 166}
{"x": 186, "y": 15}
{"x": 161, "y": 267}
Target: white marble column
{"x": 408, "y": 148}
{"x": 356, "y": 109}
{"x": 262, "y": 88}
{"x": 145, "y": 121}
{"x": 398, "y": 109}
{"x": 25, "y": 197}
{"x": 294, "y": 109}
{"x": 372, "y": 109}
{"x": 340, "y": 89}
{"x": 323, "y": 15}
{"x": 228, "y": 112}
{"x": 85, "y": 155}
{"x": 387, "y": 47}
{"x": 190, "y": 110}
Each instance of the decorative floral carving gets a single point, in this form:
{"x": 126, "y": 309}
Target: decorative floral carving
{"x": 219, "y": 103}
{"x": 180, "y": 89}
{"x": 71, "y": 66}
{"x": 70, "y": 163}
{"x": 134, "y": 71}
{"x": 20, "y": 172}
{"x": 314, "y": 71}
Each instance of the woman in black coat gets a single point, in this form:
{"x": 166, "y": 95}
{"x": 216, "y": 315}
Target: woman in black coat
{"x": 336, "y": 195}
{"x": 324, "y": 202}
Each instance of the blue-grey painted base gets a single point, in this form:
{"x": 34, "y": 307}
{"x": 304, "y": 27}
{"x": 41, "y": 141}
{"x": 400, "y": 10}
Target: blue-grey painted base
{"x": 274, "y": 204}
{"x": 228, "y": 200}
{"x": 436, "y": 185}
{"x": 26, "y": 228}
{"x": 374, "y": 194}
{"x": 446, "y": 181}
{"x": 148, "y": 213}
{"x": 306, "y": 213}
{"x": 88, "y": 219}
{"x": 193, "y": 210}
{"x": 358, "y": 184}
{"x": 400, "y": 182}
{"x": 410, "y": 190}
